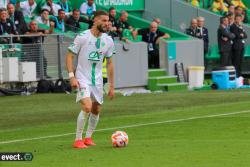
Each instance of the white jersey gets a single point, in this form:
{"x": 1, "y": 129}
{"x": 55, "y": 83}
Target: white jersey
{"x": 28, "y": 11}
{"x": 86, "y": 9}
{"x": 3, "y": 3}
{"x": 55, "y": 7}
{"x": 41, "y": 21}
{"x": 91, "y": 51}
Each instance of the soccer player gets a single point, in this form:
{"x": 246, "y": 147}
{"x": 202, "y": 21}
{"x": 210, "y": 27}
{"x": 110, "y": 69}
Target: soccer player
{"x": 90, "y": 47}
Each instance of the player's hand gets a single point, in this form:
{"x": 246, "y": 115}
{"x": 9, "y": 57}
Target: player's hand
{"x": 52, "y": 24}
{"x": 225, "y": 39}
{"x": 114, "y": 29}
{"x": 111, "y": 92}
{"x": 74, "y": 83}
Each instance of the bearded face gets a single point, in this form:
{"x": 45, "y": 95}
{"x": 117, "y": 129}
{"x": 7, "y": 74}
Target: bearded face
{"x": 101, "y": 23}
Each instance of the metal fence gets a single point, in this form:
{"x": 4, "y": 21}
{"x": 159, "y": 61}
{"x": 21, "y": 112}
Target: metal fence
{"x": 47, "y": 51}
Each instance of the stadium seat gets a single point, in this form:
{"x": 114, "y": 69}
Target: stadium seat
{"x": 84, "y": 26}
{"x": 213, "y": 53}
{"x": 247, "y": 52}
{"x": 128, "y": 34}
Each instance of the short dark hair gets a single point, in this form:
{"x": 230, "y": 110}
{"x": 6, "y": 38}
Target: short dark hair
{"x": 111, "y": 8}
{"x": 222, "y": 19}
{"x": 100, "y": 13}
{"x": 60, "y": 10}
{"x": 238, "y": 7}
{"x": 76, "y": 10}
{"x": 238, "y": 15}
{"x": 44, "y": 10}
{"x": 230, "y": 14}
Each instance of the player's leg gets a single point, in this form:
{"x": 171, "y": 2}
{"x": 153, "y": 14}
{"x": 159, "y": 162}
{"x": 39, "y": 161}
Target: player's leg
{"x": 83, "y": 96}
{"x": 97, "y": 100}
{"x": 86, "y": 105}
{"x": 92, "y": 123}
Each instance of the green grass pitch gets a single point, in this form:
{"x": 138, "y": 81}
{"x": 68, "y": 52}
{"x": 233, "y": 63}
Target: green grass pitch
{"x": 188, "y": 129}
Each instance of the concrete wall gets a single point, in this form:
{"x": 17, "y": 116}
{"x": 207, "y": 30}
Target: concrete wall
{"x": 131, "y": 67}
{"x": 178, "y": 51}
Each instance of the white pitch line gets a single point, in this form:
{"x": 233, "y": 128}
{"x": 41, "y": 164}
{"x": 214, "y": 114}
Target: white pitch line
{"x": 129, "y": 126}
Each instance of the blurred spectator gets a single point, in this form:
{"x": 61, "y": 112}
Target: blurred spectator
{"x": 66, "y": 6}
{"x": 219, "y": 7}
{"x": 239, "y": 11}
{"x": 228, "y": 3}
{"x": 17, "y": 18}
{"x": 60, "y": 20}
{"x": 152, "y": 37}
{"x": 73, "y": 22}
{"x": 33, "y": 50}
{"x": 51, "y": 7}
{"x": 238, "y": 43}
{"x": 239, "y": 3}
{"x": 112, "y": 16}
{"x": 202, "y": 33}
{"x": 157, "y": 20}
{"x": 88, "y": 8}
{"x": 33, "y": 29}
{"x": 122, "y": 23}
{"x": 111, "y": 30}
{"x": 193, "y": 28}
{"x": 231, "y": 9}
{"x": 225, "y": 42}
{"x": 28, "y": 8}
{"x": 7, "y": 27}
{"x": 44, "y": 18}
{"x": 196, "y": 3}
{"x": 230, "y": 17}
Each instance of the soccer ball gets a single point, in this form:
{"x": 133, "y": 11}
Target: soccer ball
{"x": 119, "y": 139}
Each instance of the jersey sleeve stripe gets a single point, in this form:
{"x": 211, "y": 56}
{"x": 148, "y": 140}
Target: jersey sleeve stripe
{"x": 71, "y": 50}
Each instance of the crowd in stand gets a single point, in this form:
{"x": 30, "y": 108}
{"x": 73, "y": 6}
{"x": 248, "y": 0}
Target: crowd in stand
{"x": 230, "y": 34}
{"x": 64, "y": 18}
{"x": 61, "y": 16}
{"x": 223, "y": 7}
{"x": 52, "y": 15}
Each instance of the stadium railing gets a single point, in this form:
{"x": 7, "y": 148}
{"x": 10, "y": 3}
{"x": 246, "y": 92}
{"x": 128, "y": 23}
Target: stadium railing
{"x": 49, "y": 54}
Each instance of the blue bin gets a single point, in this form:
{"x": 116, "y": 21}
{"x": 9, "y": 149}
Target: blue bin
{"x": 224, "y": 78}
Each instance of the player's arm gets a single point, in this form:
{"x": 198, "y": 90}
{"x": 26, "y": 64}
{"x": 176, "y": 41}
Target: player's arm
{"x": 70, "y": 68}
{"x": 73, "y": 50}
{"x": 110, "y": 70}
{"x": 163, "y": 36}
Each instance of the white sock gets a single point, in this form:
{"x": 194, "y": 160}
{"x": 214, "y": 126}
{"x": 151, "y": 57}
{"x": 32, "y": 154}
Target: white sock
{"x": 82, "y": 117}
{"x": 93, "y": 120}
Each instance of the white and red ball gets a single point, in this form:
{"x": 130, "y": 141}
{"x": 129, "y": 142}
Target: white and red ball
{"x": 119, "y": 139}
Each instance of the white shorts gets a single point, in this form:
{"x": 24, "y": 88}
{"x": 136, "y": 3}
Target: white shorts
{"x": 93, "y": 92}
